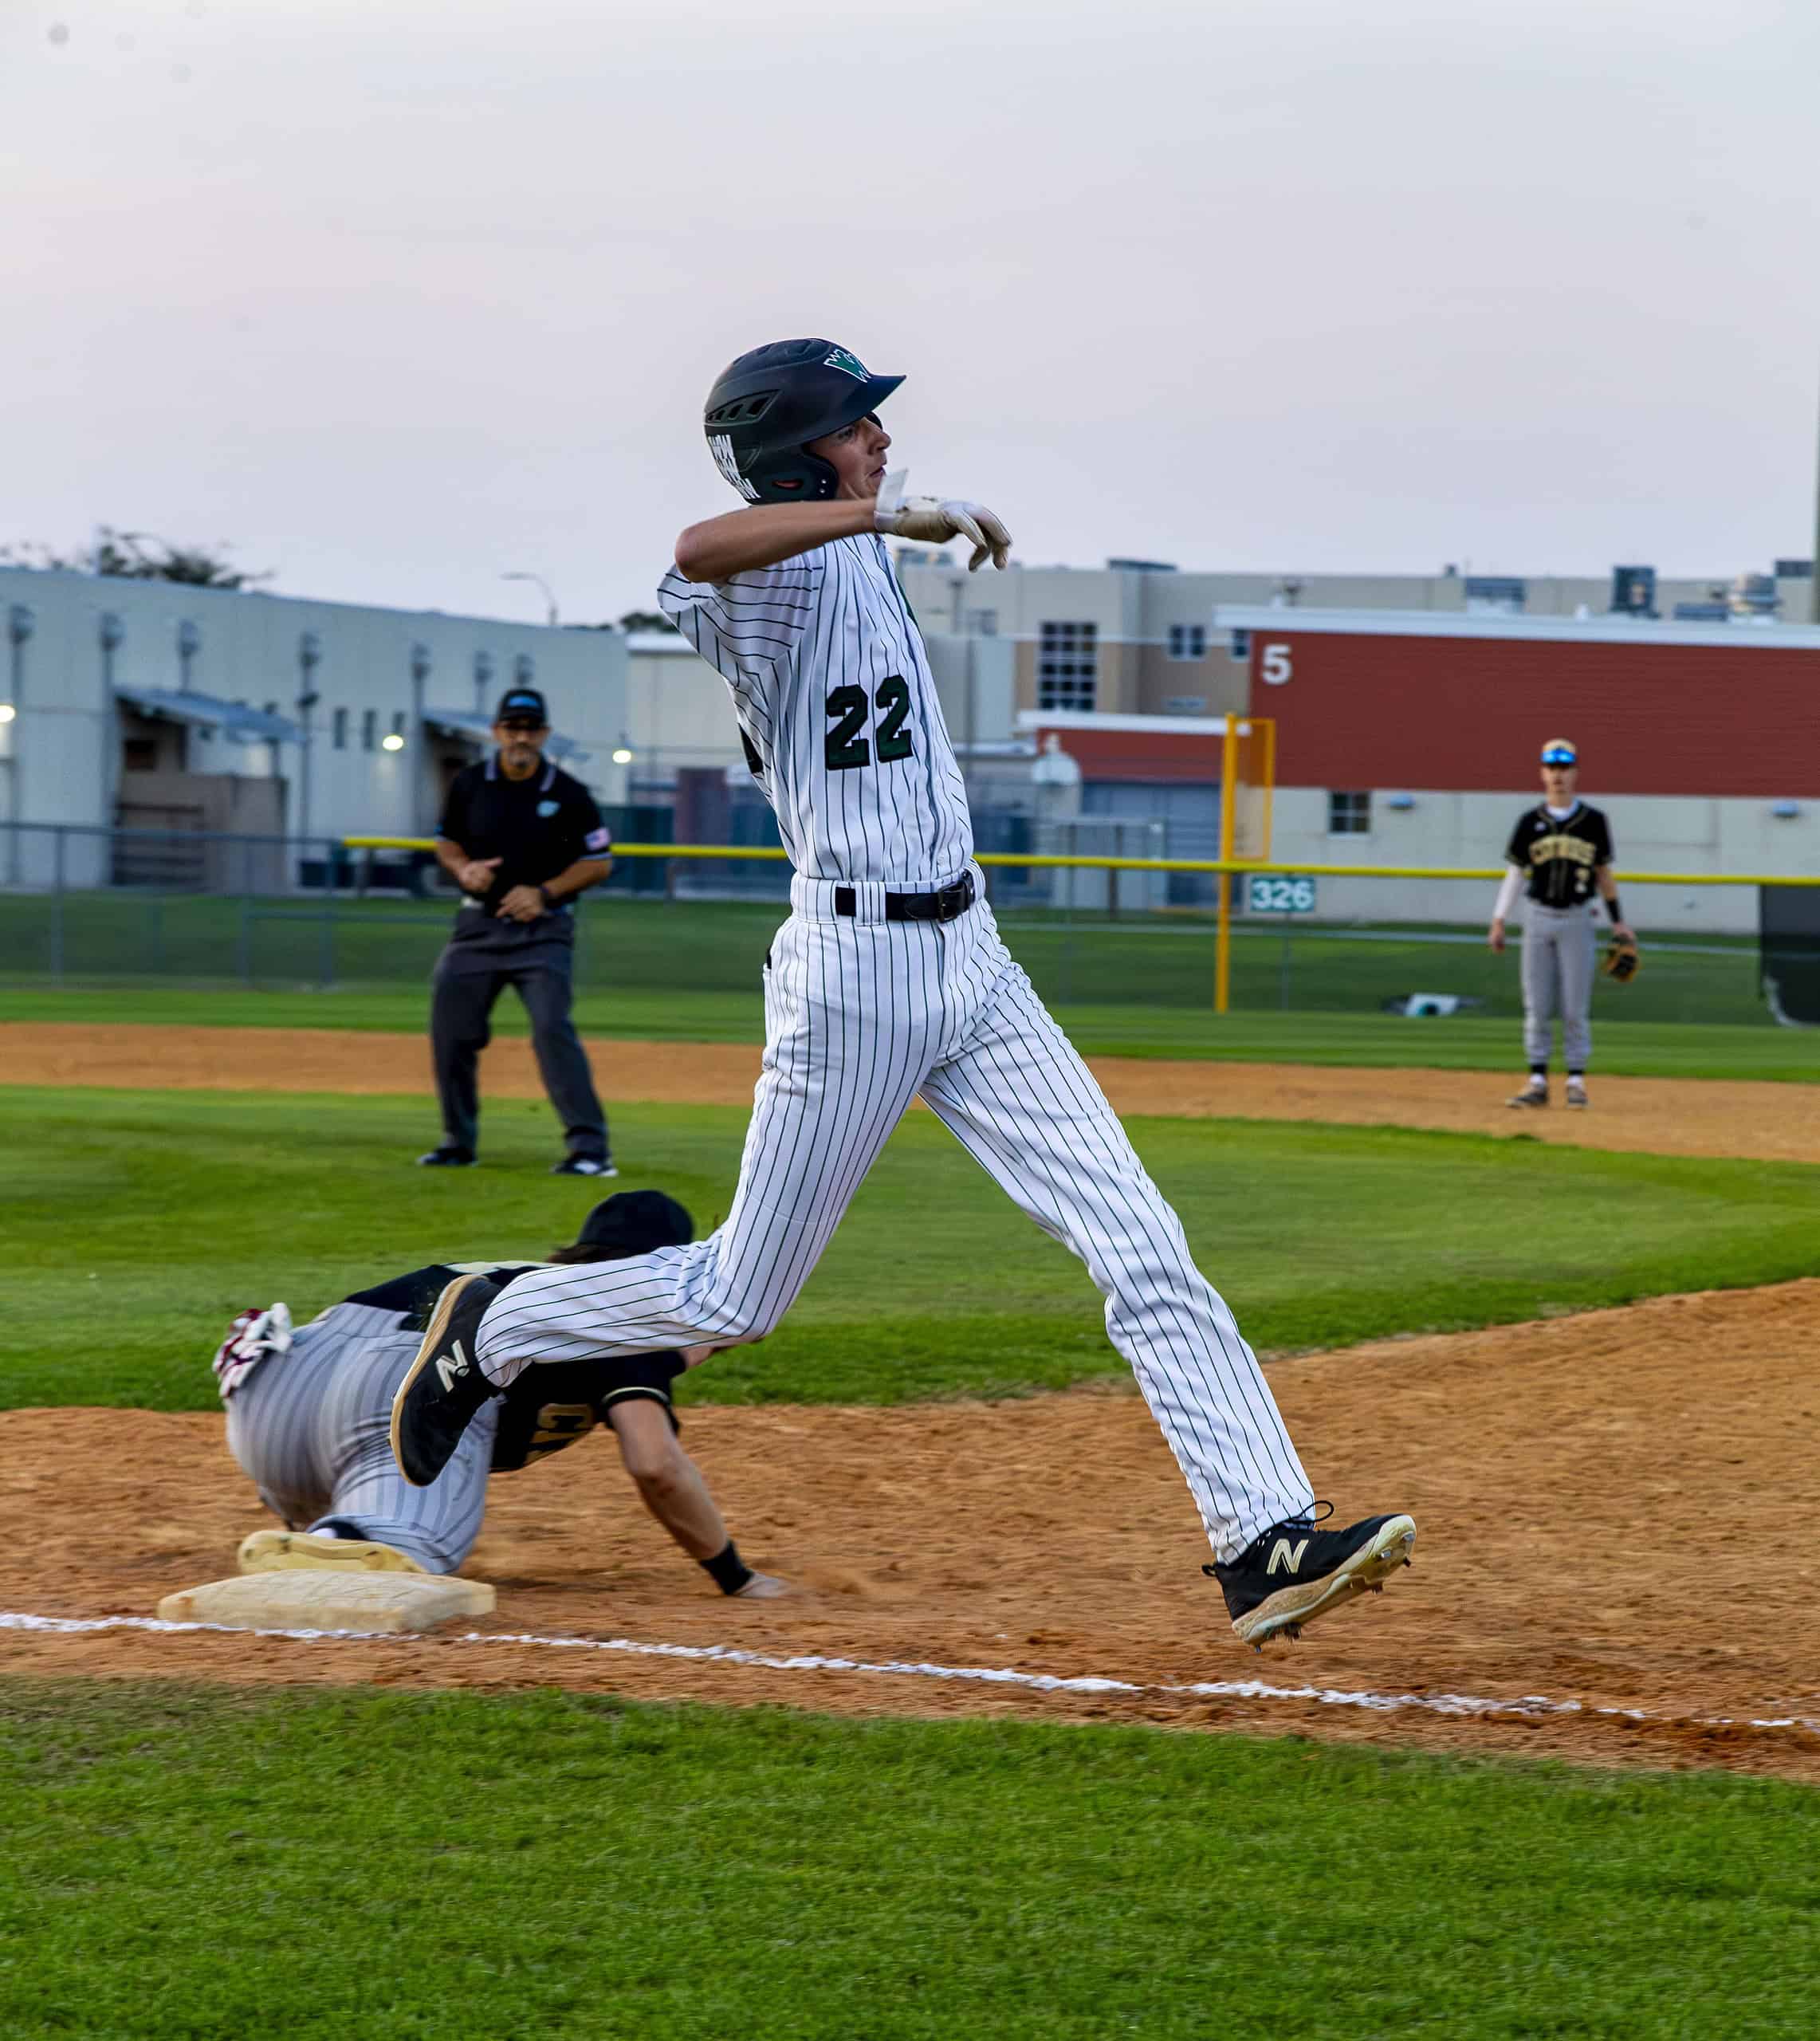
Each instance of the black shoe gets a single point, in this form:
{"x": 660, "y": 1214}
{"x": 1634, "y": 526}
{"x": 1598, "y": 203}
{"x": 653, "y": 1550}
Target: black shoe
{"x": 584, "y": 1165}
{"x": 1534, "y": 1094}
{"x": 1294, "y": 1572}
{"x": 447, "y": 1159}
{"x": 438, "y": 1399}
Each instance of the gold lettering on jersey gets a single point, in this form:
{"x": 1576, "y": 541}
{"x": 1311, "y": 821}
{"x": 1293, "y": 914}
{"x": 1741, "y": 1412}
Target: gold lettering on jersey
{"x": 560, "y": 1424}
{"x": 1575, "y": 850}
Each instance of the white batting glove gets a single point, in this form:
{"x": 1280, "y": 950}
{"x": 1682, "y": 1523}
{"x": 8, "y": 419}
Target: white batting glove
{"x": 934, "y": 520}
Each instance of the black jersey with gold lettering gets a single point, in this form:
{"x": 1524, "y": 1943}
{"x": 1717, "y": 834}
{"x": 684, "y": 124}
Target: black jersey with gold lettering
{"x": 1559, "y": 855}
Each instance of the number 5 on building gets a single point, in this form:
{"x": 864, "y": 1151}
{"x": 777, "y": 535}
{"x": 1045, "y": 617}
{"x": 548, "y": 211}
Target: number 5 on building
{"x": 1275, "y": 665}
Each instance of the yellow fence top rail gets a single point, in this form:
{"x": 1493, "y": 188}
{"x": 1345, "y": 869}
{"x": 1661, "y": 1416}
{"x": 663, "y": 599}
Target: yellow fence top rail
{"x": 771, "y": 853}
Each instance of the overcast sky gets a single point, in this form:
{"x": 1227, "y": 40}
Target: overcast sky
{"x": 397, "y": 295}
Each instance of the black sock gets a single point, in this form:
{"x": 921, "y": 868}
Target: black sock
{"x": 726, "y": 1569}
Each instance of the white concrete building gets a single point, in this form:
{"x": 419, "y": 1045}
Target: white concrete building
{"x": 151, "y": 705}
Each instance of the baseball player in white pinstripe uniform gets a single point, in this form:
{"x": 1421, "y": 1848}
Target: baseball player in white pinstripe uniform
{"x": 888, "y": 980}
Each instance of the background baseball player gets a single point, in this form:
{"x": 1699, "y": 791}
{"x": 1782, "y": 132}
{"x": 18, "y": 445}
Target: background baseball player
{"x": 888, "y": 979}
{"x": 309, "y": 1412}
{"x": 1559, "y": 853}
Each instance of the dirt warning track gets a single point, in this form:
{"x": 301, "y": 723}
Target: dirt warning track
{"x": 1763, "y": 1122}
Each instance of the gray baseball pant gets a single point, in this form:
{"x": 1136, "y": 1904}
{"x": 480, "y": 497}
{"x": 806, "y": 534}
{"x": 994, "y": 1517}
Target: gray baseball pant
{"x": 311, "y": 1429}
{"x": 536, "y": 959}
{"x": 1560, "y": 948}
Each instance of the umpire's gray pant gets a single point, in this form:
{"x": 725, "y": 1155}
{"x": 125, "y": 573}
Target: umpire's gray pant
{"x": 484, "y": 956}
{"x": 1559, "y": 946}
{"x": 312, "y": 1429}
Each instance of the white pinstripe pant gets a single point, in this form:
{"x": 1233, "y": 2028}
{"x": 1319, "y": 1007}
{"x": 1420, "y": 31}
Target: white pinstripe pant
{"x": 861, "y": 1015}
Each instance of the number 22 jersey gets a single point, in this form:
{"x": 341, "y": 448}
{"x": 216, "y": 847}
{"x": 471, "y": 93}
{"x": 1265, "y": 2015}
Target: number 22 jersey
{"x": 837, "y": 712}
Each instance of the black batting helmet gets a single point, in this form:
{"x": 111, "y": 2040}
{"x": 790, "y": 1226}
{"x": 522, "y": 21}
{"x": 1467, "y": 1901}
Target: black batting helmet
{"x": 766, "y": 406}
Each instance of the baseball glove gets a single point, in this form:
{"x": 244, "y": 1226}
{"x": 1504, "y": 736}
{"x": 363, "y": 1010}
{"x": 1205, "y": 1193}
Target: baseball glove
{"x": 1622, "y": 961}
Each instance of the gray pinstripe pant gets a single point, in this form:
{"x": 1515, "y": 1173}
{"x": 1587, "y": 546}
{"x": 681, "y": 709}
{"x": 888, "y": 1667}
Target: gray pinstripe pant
{"x": 311, "y": 1429}
{"x": 1560, "y": 947}
{"x": 861, "y": 1016}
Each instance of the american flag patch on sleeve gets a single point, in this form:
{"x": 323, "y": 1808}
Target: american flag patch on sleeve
{"x": 598, "y": 841}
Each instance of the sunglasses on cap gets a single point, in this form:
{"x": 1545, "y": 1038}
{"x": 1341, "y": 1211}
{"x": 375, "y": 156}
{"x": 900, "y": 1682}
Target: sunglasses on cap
{"x": 1558, "y": 754}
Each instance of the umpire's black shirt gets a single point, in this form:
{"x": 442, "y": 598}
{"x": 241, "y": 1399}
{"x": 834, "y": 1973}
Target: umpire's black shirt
{"x": 535, "y": 826}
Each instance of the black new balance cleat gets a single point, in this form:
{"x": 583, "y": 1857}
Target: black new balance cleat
{"x": 438, "y": 1399}
{"x": 1296, "y": 1571}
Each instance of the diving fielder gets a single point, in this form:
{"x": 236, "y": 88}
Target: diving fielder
{"x": 308, "y": 1414}
{"x": 1559, "y": 853}
{"x": 890, "y": 980}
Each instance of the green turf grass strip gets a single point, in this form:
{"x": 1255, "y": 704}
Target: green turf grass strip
{"x": 149, "y": 1218}
{"x": 1369, "y": 1041}
{"x": 399, "y": 1867}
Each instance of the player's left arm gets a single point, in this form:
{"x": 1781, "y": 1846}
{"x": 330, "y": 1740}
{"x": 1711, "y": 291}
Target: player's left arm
{"x": 671, "y": 1487}
{"x": 1608, "y": 893}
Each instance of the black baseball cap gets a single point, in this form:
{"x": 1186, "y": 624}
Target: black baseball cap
{"x": 519, "y": 704}
{"x": 635, "y": 1221}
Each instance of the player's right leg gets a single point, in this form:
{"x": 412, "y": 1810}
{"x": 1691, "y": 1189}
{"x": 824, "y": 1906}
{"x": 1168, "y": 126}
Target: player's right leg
{"x": 463, "y": 988}
{"x": 850, "y": 1035}
{"x": 1541, "y": 996}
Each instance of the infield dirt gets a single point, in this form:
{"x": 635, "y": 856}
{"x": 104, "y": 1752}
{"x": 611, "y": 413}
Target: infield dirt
{"x": 1614, "y": 1510}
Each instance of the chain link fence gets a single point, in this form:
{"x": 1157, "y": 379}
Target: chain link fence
{"x": 119, "y": 908}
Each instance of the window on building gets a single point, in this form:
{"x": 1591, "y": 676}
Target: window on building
{"x": 398, "y": 724}
{"x": 338, "y": 736}
{"x": 1185, "y": 704}
{"x": 1239, "y": 645}
{"x": 369, "y": 729}
{"x": 1188, "y": 641}
{"x": 1067, "y": 665}
{"x": 1349, "y": 815}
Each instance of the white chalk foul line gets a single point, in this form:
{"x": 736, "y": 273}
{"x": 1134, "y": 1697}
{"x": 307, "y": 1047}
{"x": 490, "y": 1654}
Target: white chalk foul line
{"x": 1533, "y": 1705}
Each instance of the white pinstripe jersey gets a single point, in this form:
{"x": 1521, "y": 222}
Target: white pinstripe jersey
{"x": 843, "y": 729}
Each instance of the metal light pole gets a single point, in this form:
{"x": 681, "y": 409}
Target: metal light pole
{"x": 523, "y": 574}
{"x": 112, "y": 634}
{"x": 188, "y": 644}
{"x": 419, "y": 680}
{"x": 309, "y": 658}
{"x": 20, "y": 622}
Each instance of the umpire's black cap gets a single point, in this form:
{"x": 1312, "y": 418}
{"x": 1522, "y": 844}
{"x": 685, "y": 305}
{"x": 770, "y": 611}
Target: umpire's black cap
{"x": 635, "y": 1221}
{"x": 522, "y": 705}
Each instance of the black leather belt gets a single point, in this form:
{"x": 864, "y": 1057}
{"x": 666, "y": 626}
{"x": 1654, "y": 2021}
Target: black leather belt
{"x": 948, "y": 905}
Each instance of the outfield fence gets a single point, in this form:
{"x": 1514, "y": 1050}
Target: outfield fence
{"x": 102, "y": 908}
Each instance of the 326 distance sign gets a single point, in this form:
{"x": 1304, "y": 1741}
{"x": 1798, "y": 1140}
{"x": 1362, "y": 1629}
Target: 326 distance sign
{"x": 1278, "y": 893}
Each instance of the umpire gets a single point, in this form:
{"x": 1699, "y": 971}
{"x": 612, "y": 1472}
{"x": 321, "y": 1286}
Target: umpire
{"x": 521, "y": 840}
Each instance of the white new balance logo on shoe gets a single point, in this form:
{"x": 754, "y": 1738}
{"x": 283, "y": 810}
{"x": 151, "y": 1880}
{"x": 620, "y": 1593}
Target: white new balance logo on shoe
{"x": 1284, "y": 1555}
{"x": 454, "y": 1364}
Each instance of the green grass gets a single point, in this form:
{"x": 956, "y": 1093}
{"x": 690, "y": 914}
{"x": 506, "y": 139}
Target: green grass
{"x": 400, "y": 1867}
{"x": 677, "y": 949}
{"x": 149, "y": 1219}
{"x": 1368, "y": 1040}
